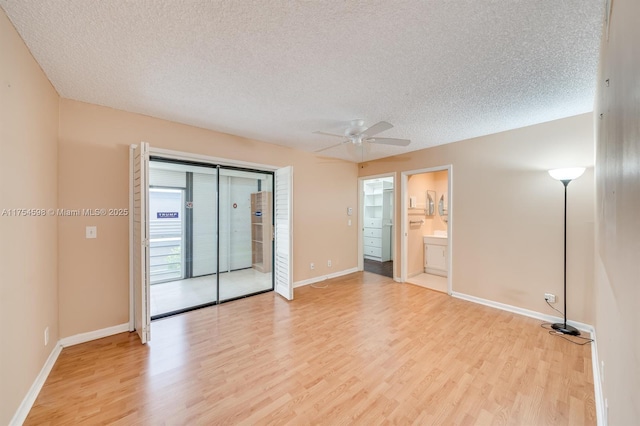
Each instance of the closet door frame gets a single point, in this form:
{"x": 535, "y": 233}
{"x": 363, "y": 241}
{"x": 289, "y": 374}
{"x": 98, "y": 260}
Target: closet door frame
{"x": 178, "y": 156}
{"x": 361, "y": 220}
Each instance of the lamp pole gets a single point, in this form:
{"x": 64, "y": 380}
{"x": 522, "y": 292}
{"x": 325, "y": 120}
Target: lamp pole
{"x": 564, "y": 328}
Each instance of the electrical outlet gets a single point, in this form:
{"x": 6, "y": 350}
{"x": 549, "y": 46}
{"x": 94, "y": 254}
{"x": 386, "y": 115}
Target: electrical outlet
{"x": 46, "y": 336}
{"x": 312, "y": 266}
{"x": 550, "y": 297}
{"x": 329, "y": 263}
{"x": 91, "y": 232}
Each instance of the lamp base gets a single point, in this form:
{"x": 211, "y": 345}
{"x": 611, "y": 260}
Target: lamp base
{"x": 565, "y": 329}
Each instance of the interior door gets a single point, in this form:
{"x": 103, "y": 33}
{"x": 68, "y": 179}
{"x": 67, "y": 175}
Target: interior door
{"x": 140, "y": 243}
{"x": 283, "y": 259}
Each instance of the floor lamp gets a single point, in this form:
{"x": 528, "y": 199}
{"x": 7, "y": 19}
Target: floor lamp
{"x": 565, "y": 176}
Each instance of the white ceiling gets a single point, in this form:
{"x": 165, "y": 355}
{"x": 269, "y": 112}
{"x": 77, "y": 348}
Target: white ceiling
{"x": 440, "y": 71}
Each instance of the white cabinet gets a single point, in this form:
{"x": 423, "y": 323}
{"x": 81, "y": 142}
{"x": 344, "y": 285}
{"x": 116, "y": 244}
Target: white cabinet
{"x": 373, "y": 232}
{"x": 435, "y": 255}
{"x": 378, "y": 211}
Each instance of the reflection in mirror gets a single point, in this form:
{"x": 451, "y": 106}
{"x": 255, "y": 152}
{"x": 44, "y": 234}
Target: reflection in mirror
{"x": 442, "y": 208}
{"x": 430, "y": 207}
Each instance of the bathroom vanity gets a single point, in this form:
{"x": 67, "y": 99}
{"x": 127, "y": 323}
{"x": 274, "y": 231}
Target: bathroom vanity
{"x": 435, "y": 254}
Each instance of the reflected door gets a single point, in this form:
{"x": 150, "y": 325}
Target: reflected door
{"x": 245, "y": 233}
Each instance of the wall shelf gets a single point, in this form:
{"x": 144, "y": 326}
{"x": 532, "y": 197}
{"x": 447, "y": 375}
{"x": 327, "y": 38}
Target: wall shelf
{"x": 261, "y": 231}
{"x": 417, "y": 211}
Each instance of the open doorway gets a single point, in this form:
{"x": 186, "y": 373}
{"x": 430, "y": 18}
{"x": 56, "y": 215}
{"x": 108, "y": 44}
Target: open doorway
{"x": 427, "y": 228}
{"x": 377, "y": 225}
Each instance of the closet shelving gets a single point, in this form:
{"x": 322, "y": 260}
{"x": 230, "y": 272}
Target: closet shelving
{"x": 261, "y": 231}
{"x": 378, "y": 206}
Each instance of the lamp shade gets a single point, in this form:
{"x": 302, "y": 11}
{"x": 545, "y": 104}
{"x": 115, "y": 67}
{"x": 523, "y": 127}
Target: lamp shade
{"x": 570, "y": 173}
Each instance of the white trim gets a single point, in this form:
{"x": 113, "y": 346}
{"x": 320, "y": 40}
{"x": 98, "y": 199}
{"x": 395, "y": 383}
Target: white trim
{"x": 189, "y": 156}
{"x": 93, "y": 335}
{"x": 601, "y": 418}
{"x": 360, "y": 221}
{"x": 521, "y": 311}
{"x": 324, "y": 277}
{"x": 450, "y": 232}
{"x": 27, "y": 402}
{"x": 132, "y": 311}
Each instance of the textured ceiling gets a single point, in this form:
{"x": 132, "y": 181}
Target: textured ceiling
{"x": 440, "y": 71}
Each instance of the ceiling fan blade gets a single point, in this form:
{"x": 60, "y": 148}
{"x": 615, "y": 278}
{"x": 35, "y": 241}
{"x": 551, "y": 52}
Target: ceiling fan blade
{"x": 378, "y": 128}
{"x": 328, "y": 134}
{"x": 390, "y": 141}
{"x": 329, "y": 147}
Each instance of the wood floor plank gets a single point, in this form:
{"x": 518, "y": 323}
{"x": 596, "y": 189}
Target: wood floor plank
{"x": 365, "y": 350}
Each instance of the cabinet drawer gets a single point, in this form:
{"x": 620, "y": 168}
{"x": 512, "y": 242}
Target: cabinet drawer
{"x": 372, "y": 232}
{"x": 373, "y": 242}
{"x": 372, "y": 223}
{"x": 372, "y": 251}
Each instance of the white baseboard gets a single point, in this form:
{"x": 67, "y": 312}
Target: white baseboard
{"x": 93, "y": 335}
{"x": 324, "y": 277}
{"x": 601, "y": 418}
{"x": 595, "y": 364}
{"x": 23, "y": 411}
{"x": 521, "y": 311}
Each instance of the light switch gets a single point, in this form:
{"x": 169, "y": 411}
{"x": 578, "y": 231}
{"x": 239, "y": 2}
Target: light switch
{"x": 349, "y": 222}
{"x": 92, "y": 232}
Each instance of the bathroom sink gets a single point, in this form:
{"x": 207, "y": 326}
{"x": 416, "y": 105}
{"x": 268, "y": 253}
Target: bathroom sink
{"x": 440, "y": 240}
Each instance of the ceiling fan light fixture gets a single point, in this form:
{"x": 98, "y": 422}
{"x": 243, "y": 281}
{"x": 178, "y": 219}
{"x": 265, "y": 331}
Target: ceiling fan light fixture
{"x": 357, "y": 135}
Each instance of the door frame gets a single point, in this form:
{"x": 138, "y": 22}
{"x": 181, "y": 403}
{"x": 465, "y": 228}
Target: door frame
{"x": 192, "y": 157}
{"x": 404, "y": 180}
{"x": 394, "y": 222}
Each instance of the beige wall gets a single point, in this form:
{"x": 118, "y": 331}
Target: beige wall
{"x": 28, "y": 247}
{"x": 506, "y": 213}
{"x": 617, "y": 282}
{"x": 93, "y": 164}
{"x": 416, "y": 187}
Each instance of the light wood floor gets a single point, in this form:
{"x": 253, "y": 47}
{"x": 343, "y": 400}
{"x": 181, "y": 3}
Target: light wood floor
{"x": 364, "y": 350}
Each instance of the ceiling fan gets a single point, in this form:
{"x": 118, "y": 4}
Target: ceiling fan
{"x": 356, "y": 133}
